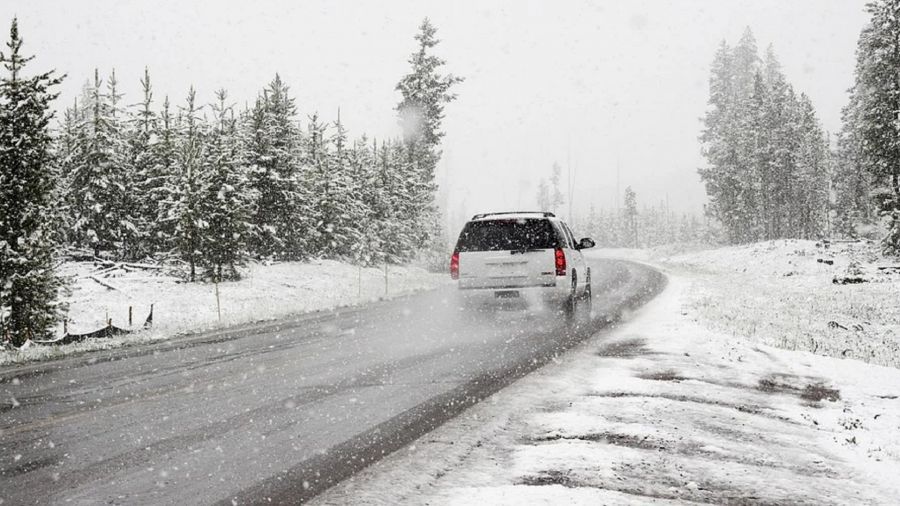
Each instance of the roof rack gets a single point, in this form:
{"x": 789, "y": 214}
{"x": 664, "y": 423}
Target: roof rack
{"x": 545, "y": 214}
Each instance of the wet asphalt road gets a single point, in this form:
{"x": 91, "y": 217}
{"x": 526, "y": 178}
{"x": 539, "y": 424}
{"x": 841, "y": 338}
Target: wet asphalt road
{"x": 277, "y": 412}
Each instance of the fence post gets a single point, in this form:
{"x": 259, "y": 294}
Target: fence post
{"x": 218, "y": 303}
{"x": 130, "y": 313}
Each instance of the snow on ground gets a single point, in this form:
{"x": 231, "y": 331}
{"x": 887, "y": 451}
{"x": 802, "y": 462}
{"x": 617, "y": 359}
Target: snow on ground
{"x": 266, "y": 292}
{"x": 661, "y": 410}
{"x": 782, "y": 293}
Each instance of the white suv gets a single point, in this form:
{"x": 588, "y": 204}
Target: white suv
{"x": 522, "y": 254}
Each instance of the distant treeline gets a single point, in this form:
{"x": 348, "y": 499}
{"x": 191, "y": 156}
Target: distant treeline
{"x": 632, "y": 225}
{"x": 212, "y": 186}
{"x": 648, "y": 227}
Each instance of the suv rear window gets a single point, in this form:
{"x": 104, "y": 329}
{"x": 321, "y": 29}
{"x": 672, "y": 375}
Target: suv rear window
{"x": 501, "y": 235}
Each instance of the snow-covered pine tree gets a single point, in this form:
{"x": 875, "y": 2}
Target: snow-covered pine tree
{"x": 227, "y": 198}
{"x": 333, "y": 205}
{"x": 413, "y": 203}
{"x": 773, "y": 162}
{"x": 143, "y": 191}
{"x": 425, "y": 91}
{"x": 186, "y": 193}
{"x": 349, "y": 180}
{"x": 368, "y": 192}
{"x": 399, "y": 234}
{"x": 93, "y": 183}
{"x": 159, "y": 185}
{"x": 720, "y": 175}
{"x": 66, "y": 147}
{"x": 556, "y": 196}
{"x": 745, "y": 66}
{"x": 813, "y": 173}
{"x": 852, "y": 181}
{"x": 128, "y": 237}
{"x": 756, "y": 133}
{"x": 67, "y": 140}
{"x": 29, "y": 286}
{"x": 272, "y": 143}
{"x": 777, "y": 138}
{"x": 876, "y": 96}
{"x": 631, "y": 215}
{"x": 745, "y": 108}
{"x": 318, "y": 167}
{"x": 378, "y": 233}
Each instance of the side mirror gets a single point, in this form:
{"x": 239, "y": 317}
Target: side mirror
{"x": 586, "y": 243}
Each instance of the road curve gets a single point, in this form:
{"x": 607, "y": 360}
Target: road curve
{"x": 277, "y": 412}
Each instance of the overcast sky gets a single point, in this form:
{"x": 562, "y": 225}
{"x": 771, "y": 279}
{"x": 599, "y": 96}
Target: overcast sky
{"x": 592, "y": 85}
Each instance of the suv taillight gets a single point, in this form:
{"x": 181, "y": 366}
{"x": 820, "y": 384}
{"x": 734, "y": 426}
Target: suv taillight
{"x": 560, "y": 262}
{"x": 454, "y": 265}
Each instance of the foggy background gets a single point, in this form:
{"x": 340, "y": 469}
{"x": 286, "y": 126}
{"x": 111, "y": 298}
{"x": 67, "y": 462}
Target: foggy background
{"x": 602, "y": 88}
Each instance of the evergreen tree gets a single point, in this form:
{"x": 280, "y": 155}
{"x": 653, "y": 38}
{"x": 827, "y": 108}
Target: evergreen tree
{"x": 746, "y": 64}
{"x": 124, "y": 209}
{"x": 226, "y": 197}
{"x": 273, "y": 143}
{"x": 94, "y": 182}
{"x": 29, "y": 286}
{"x": 185, "y": 199}
{"x": 348, "y": 189}
{"x": 631, "y": 214}
{"x": 66, "y": 152}
{"x": 327, "y": 188}
{"x": 853, "y": 182}
{"x": 369, "y": 195}
{"x": 813, "y": 173}
{"x": 720, "y": 151}
{"x": 399, "y": 241}
{"x": 144, "y": 181}
{"x": 425, "y": 91}
{"x": 556, "y": 196}
{"x": 875, "y": 102}
{"x": 160, "y": 184}
{"x": 767, "y": 174}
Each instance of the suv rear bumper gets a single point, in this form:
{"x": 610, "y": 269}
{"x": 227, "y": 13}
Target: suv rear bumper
{"x": 513, "y": 283}
{"x": 557, "y": 291}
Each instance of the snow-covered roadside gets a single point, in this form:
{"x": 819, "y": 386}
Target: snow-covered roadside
{"x": 782, "y": 293}
{"x": 661, "y": 410}
{"x": 266, "y": 292}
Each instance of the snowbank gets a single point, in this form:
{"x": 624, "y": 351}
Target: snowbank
{"x": 266, "y": 292}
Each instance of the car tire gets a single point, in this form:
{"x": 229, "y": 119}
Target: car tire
{"x": 588, "y": 294}
{"x": 570, "y": 305}
{"x": 588, "y": 291}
